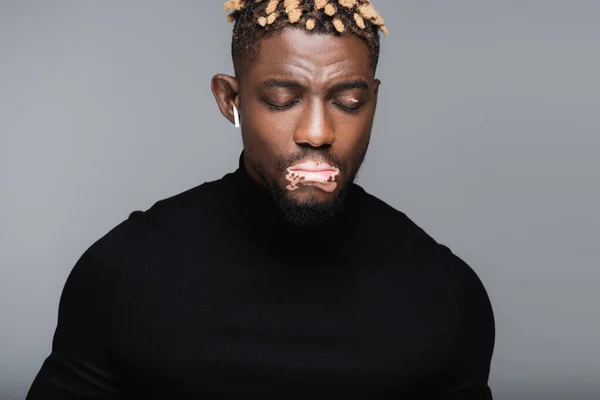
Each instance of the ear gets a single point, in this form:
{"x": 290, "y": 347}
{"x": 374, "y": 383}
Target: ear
{"x": 225, "y": 88}
{"x": 376, "y": 91}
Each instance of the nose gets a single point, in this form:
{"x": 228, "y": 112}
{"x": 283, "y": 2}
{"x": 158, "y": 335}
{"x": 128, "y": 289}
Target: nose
{"x": 314, "y": 128}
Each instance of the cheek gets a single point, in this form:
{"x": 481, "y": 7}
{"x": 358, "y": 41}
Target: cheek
{"x": 264, "y": 138}
{"x": 352, "y": 134}
{"x": 272, "y": 132}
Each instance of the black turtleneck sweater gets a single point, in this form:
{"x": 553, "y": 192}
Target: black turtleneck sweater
{"x": 209, "y": 294}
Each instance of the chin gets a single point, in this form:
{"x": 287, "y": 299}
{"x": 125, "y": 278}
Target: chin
{"x": 307, "y": 195}
{"x": 309, "y": 206}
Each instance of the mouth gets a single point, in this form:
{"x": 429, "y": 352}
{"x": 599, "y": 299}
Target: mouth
{"x": 312, "y": 173}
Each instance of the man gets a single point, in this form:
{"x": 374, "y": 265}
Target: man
{"x": 283, "y": 279}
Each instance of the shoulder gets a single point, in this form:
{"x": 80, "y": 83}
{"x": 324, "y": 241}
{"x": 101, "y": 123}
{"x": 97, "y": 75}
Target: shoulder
{"x": 102, "y": 261}
{"x": 387, "y": 225}
{"x": 197, "y": 206}
{"x": 436, "y": 262}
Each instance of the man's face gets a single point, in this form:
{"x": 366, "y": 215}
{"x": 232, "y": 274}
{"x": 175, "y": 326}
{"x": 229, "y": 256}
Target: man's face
{"x": 307, "y": 104}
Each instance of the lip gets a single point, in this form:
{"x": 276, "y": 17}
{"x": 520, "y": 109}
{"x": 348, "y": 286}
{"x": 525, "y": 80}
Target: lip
{"x": 312, "y": 166}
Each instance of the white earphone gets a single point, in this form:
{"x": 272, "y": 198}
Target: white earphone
{"x": 236, "y": 117}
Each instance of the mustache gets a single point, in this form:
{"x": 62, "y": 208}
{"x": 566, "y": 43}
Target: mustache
{"x": 282, "y": 163}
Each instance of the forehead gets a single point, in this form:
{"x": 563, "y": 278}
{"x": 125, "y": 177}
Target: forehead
{"x": 311, "y": 56}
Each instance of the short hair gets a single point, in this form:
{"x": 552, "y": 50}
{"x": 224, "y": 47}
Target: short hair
{"x": 256, "y": 19}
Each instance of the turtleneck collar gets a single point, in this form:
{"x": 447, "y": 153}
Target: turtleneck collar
{"x": 252, "y": 199}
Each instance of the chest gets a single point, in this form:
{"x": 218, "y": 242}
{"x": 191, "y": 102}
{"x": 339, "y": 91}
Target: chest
{"x": 256, "y": 323}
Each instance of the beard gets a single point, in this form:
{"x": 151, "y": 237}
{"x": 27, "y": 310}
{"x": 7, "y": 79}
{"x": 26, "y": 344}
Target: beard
{"x": 311, "y": 212}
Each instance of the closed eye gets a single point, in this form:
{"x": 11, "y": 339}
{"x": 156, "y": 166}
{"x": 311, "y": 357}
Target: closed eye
{"x": 348, "y": 108}
{"x": 279, "y": 107}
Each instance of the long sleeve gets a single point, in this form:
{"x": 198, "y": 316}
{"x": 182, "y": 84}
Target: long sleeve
{"x": 81, "y": 364}
{"x": 469, "y": 373}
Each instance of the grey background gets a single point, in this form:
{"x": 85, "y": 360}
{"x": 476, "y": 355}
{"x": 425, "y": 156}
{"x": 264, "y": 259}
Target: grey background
{"x": 487, "y": 135}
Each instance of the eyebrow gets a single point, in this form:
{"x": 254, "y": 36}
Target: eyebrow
{"x": 281, "y": 83}
{"x": 285, "y": 83}
{"x": 354, "y": 84}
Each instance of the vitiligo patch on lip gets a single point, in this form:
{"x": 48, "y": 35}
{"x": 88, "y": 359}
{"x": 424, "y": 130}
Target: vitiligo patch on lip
{"x": 312, "y": 173}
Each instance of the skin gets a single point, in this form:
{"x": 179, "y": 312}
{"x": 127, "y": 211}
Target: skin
{"x": 305, "y": 97}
